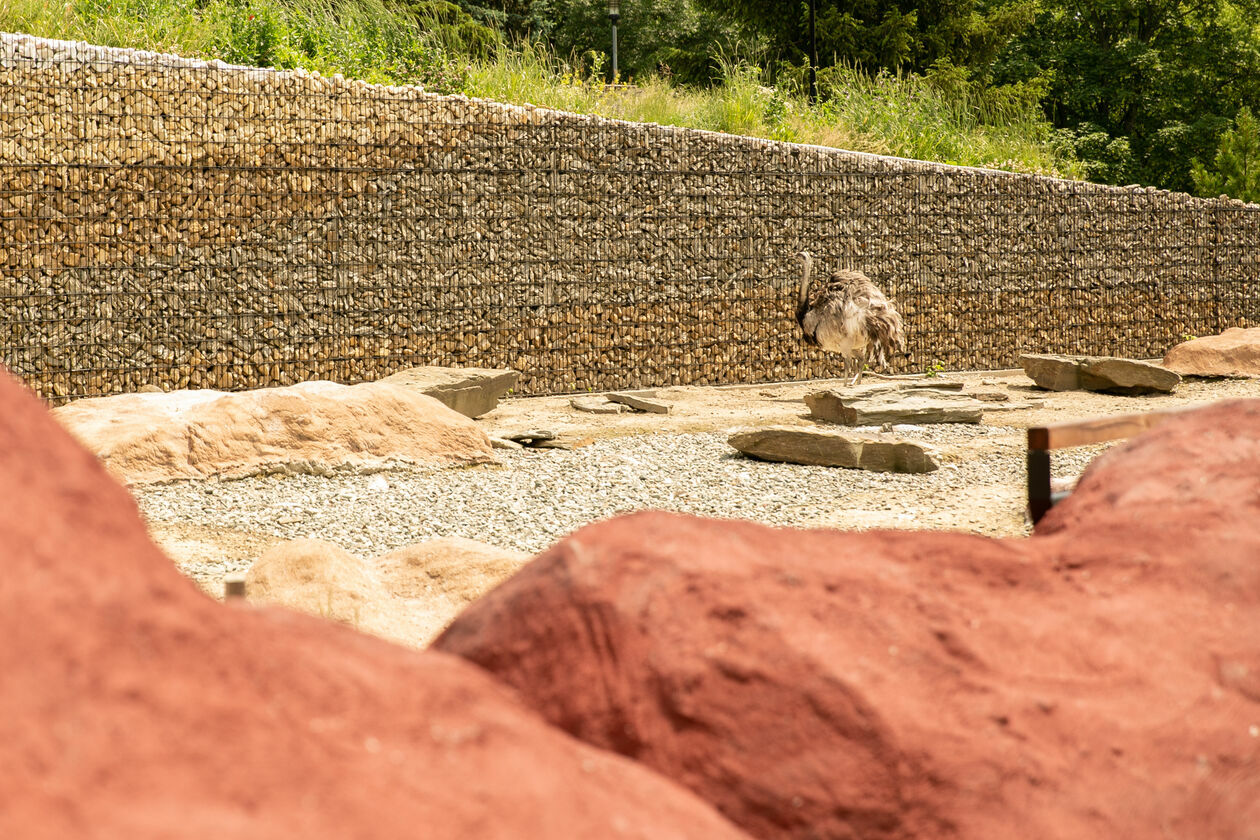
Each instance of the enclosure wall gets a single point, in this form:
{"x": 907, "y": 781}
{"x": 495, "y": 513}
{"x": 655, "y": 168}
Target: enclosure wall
{"x": 187, "y": 224}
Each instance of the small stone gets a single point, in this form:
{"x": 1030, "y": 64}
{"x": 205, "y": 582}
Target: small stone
{"x": 531, "y": 438}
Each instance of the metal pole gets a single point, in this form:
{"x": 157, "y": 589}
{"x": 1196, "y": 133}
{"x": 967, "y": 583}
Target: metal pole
{"x": 813, "y": 55}
{"x": 613, "y": 19}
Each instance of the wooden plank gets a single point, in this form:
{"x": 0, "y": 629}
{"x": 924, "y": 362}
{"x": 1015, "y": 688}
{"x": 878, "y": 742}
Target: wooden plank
{"x": 1098, "y": 429}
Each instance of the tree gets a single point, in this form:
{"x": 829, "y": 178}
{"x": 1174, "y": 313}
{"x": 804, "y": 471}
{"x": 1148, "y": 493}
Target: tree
{"x": 895, "y": 35}
{"x": 1162, "y": 76}
{"x": 1236, "y": 167}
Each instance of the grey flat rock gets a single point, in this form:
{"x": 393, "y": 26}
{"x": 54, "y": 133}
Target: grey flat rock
{"x": 1108, "y": 374}
{"x": 639, "y": 402}
{"x": 920, "y": 406}
{"x": 834, "y": 448}
{"x": 598, "y": 406}
{"x": 470, "y": 391}
{"x": 531, "y": 437}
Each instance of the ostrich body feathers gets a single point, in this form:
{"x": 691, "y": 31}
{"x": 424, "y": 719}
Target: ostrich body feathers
{"x": 849, "y": 316}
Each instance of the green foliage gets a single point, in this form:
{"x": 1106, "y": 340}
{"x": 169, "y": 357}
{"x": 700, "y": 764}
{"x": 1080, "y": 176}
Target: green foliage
{"x": 1236, "y": 167}
{"x": 948, "y": 113}
{"x": 672, "y": 38}
{"x": 894, "y": 35}
{"x": 1144, "y": 86}
{"x": 359, "y": 38}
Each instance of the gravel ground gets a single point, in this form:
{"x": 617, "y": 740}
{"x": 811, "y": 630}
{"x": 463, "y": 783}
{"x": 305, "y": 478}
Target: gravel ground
{"x": 533, "y": 497}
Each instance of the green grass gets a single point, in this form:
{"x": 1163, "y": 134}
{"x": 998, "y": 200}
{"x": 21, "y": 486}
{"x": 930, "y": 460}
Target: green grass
{"x": 359, "y": 38}
{"x": 940, "y": 118}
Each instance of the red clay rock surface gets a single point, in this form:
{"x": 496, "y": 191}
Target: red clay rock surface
{"x": 133, "y": 706}
{"x": 1098, "y": 680}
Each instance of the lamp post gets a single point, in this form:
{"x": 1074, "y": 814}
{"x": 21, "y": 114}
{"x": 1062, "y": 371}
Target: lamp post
{"x": 614, "y": 12}
{"x": 813, "y": 55}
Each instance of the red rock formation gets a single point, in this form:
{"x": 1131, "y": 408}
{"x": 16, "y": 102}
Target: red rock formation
{"x": 1099, "y": 680}
{"x": 132, "y": 706}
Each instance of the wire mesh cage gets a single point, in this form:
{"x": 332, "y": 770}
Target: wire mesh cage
{"x": 184, "y": 224}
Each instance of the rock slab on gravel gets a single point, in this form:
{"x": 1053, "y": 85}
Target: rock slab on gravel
{"x": 917, "y": 406}
{"x": 1235, "y": 352}
{"x": 134, "y": 706}
{"x": 640, "y": 402}
{"x": 470, "y": 391}
{"x": 887, "y": 685}
{"x": 598, "y": 406}
{"x": 796, "y": 445}
{"x": 313, "y": 427}
{"x": 1128, "y": 377}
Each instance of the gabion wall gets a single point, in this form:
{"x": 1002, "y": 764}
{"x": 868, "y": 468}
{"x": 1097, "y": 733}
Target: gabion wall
{"x": 188, "y": 224}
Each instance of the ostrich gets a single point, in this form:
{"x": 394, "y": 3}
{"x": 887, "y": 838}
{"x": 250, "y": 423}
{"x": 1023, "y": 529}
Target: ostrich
{"x": 851, "y": 317}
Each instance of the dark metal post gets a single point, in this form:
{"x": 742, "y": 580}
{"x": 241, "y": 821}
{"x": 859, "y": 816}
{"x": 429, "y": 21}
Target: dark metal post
{"x": 1039, "y": 498}
{"x": 813, "y": 55}
{"x": 613, "y": 16}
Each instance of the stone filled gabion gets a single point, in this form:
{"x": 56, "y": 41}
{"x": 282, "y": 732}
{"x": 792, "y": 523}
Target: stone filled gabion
{"x": 191, "y": 224}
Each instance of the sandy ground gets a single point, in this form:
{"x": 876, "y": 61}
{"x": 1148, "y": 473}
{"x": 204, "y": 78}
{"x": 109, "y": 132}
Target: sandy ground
{"x": 993, "y": 508}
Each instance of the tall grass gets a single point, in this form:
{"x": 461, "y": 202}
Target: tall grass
{"x": 359, "y": 38}
{"x": 935, "y": 119}
{"x": 940, "y": 117}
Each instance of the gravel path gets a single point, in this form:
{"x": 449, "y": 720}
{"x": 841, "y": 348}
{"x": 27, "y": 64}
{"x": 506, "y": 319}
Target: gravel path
{"x": 533, "y": 497}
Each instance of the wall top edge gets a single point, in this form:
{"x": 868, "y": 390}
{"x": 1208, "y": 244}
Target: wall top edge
{"x": 23, "y": 48}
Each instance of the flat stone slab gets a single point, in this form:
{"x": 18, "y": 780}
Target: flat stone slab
{"x": 834, "y": 448}
{"x": 598, "y": 406}
{"x": 532, "y": 437}
{"x": 640, "y": 401}
{"x": 1107, "y": 374}
{"x": 470, "y": 391}
{"x": 1234, "y": 353}
{"x": 875, "y": 408}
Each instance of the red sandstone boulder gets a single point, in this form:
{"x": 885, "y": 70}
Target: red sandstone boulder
{"x": 1099, "y": 680}
{"x": 132, "y": 706}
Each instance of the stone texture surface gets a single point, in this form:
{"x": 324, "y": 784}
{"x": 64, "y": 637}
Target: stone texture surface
{"x": 453, "y": 568}
{"x": 407, "y": 595}
{"x": 134, "y": 706}
{"x": 871, "y": 451}
{"x": 314, "y": 427}
{"x": 1235, "y": 352}
{"x": 470, "y": 391}
{"x": 1098, "y": 680}
{"x": 1098, "y": 373}
{"x": 318, "y": 578}
{"x": 918, "y": 405}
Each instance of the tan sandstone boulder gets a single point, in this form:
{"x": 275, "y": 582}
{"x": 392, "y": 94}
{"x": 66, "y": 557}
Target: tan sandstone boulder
{"x": 132, "y": 705}
{"x": 318, "y": 578}
{"x": 408, "y": 595}
{"x": 1098, "y": 680}
{"x": 313, "y": 427}
{"x": 1235, "y": 352}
